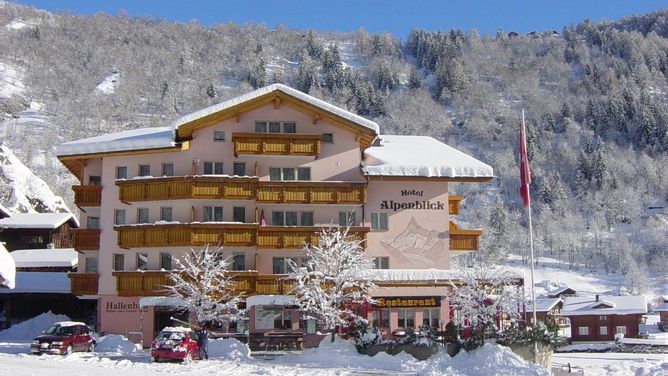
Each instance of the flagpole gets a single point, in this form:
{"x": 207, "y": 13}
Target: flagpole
{"x": 533, "y": 289}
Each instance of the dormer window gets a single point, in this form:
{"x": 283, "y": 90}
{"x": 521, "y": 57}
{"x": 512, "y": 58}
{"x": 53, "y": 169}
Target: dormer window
{"x": 275, "y": 127}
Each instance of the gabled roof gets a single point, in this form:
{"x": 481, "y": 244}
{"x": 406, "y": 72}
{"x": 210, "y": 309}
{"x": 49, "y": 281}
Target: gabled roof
{"x": 38, "y": 220}
{"x": 561, "y": 290}
{"x": 136, "y": 139}
{"x": 545, "y": 304}
{"x": 663, "y": 307}
{"x": 422, "y": 156}
{"x": 609, "y": 305}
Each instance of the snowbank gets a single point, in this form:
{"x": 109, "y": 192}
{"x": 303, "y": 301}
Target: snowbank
{"x": 229, "y": 349}
{"x": 29, "y": 329}
{"x": 116, "y": 344}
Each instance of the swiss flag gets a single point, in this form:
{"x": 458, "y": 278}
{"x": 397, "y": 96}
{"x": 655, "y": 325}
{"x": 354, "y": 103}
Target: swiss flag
{"x": 525, "y": 173}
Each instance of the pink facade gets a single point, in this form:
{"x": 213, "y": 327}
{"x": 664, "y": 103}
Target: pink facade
{"x": 415, "y": 235}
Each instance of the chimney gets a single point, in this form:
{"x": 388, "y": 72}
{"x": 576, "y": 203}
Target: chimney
{"x": 597, "y": 297}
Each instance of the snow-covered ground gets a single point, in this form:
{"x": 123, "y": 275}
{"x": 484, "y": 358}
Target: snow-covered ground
{"x": 109, "y": 84}
{"x": 614, "y": 364}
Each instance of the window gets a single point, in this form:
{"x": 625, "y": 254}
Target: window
{"x": 430, "y": 317}
{"x": 603, "y": 330}
{"x": 93, "y": 222}
{"x": 289, "y": 128}
{"x": 119, "y": 261}
{"x": 239, "y": 214}
{"x": 142, "y": 215}
{"x": 268, "y": 317}
{"x": 380, "y": 318}
{"x": 121, "y": 172}
{"x": 621, "y": 329}
{"x": 346, "y": 218}
{"x": 142, "y": 261}
{"x": 239, "y": 169}
{"x": 279, "y": 218}
{"x": 274, "y": 173}
{"x": 307, "y": 218}
{"x": 94, "y": 180}
{"x": 219, "y": 135}
{"x": 379, "y": 221}
{"x": 213, "y": 168}
{"x": 382, "y": 262}
{"x": 168, "y": 169}
{"x": 119, "y": 216}
{"x": 239, "y": 262}
{"x": 165, "y": 261}
{"x": 144, "y": 170}
{"x": 583, "y": 330}
{"x": 91, "y": 265}
{"x": 304, "y": 173}
{"x": 261, "y": 127}
{"x": 327, "y": 138}
{"x": 274, "y": 127}
{"x": 213, "y": 214}
{"x": 166, "y": 214}
{"x": 406, "y": 318}
{"x": 603, "y": 318}
{"x": 282, "y": 319}
{"x": 291, "y": 218}
{"x": 280, "y": 264}
{"x": 288, "y": 174}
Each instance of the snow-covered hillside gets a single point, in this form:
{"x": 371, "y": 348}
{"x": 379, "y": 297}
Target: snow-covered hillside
{"x": 22, "y": 191}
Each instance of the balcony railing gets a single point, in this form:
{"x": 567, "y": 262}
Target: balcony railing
{"x": 307, "y": 192}
{"x": 87, "y": 195}
{"x": 453, "y": 204}
{"x": 86, "y": 239}
{"x": 83, "y": 283}
{"x": 195, "y": 187}
{"x": 150, "y": 283}
{"x": 276, "y": 144}
{"x": 464, "y": 240}
{"x": 223, "y": 234}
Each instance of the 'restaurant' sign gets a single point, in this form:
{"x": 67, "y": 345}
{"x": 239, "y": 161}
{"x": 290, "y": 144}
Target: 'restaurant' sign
{"x": 411, "y": 301}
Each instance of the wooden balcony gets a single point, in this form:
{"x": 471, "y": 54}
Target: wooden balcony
{"x": 276, "y": 144}
{"x": 453, "y": 204}
{"x": 187, "y": 187}
{"x": 308, "y": 192}
{"x": 149, "y": 283}
{"x": 223, "y": 234}
{"x": 464, "y": 240}
{"x": 83, "y": 283}
{"x": 86, "y": 239}
{"x": 87, "y": 195}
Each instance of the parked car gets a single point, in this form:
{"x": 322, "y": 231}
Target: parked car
{"x": 64, "y": 337}
{"x": 175, "y": 343}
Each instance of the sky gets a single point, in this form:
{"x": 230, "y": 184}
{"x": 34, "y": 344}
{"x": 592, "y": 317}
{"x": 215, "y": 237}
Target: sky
{"x": 394, "y": 16}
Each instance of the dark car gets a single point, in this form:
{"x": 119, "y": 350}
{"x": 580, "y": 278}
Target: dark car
{"x": 64, "y": 337}
{"x": 175, "y": 343}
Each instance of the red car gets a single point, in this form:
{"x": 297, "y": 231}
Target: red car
{"x": 175, "y": 343}
{"x": 64, "y": 337}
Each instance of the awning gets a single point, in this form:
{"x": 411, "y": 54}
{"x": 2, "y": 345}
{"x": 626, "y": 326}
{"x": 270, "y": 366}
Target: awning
{"x": 161, "y": 301}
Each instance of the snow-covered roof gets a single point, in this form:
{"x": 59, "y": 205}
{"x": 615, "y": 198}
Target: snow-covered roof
{"x": 40, "y": 282}
{"x": 661, "y": 308}
{"x": 163, "y": 301}
{"x": 36, "y": 220}
{"x": 619, "y": 305}
{"x": 136, "y": 139}
{"x": 559, "y": 290}
{"x": 545, "y": 304}
{"x": 421, "y": 156}
{"x": 69, "y": 323}
{"x": 7, "y": 269}
{"x": 40, "y": 258}
{"x": 285, "y": 89}
{"x": 277, "y": 300}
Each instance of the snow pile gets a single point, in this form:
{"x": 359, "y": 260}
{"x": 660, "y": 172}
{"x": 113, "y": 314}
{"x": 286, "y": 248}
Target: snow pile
{"x": 229, "y": 349}
{"x": 7, "y": 269}
{"x": 22, "y": 191}
{"x": 490, "y": 360}
{"x": 109, "y": 84}
{"x": 116, "y": 344}
{"x": 29, "y": 329}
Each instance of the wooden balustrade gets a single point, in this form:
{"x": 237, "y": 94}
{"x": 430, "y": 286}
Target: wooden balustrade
{"x": 83, "y": 283}
{"x": 295, "y": 237}
{"x": 453, "y": 204}
{"x": 86, "y": 239}
{"x": 464, "y": 240}
{"x": 276, "y": 144}
{"x": 186, "y": 187}
{"x": 87, "y": 195}
{"x": 307, "y": 192}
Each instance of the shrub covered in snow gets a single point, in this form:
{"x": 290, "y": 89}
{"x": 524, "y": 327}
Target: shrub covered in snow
{"x": 229, "y": 348}
{"x": 116, "y": 344}
{"x": 29, "y": 329}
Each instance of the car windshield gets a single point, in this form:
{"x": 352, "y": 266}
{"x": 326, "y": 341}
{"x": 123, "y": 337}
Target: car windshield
{"x": 60, "y": 330}
{"x": 177, "y": 336}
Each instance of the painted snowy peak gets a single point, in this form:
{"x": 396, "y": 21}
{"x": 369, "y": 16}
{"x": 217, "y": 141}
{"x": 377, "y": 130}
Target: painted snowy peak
{"x": 23, "y": 192}
{"x": 7, "y": 269}
{"x": 604, "y": 305}
{"x": 421, "y": 156}
{"x": 136, "y": 139}
{"x": 282, "y": 88}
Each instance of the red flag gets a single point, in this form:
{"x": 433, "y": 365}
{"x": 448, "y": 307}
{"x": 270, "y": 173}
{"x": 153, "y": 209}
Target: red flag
{"x": 525, "y": 173}
{"x": 262, "y": 221}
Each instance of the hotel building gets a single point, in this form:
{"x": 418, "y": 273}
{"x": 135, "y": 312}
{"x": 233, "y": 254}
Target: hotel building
{"x": 260, "y": 175}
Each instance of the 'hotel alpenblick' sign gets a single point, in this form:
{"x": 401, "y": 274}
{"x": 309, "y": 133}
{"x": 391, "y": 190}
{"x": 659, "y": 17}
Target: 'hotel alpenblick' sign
{"x": 410, "y": 301}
